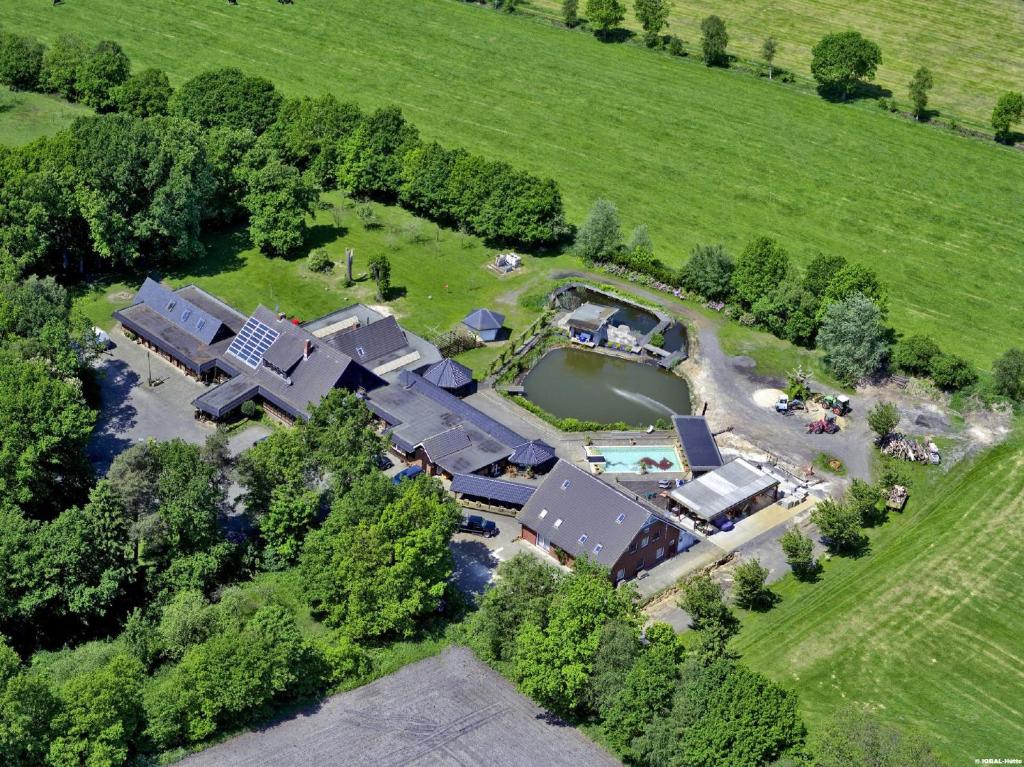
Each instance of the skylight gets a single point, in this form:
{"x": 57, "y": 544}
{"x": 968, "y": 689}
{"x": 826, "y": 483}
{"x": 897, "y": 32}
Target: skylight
{"x": 185, "y": 315}
{"x": 201, "y": 324}
{"x": 620, "y": 519}
{"x": 565, "y": 485}
{"x": 583, "y": 538}
{"x": 558, "y": 522}
{"x": 360, "y": 351}
{"x": 543, "y": 513}
{"x": 171, "y": 304}
{"x": 598, "y": 547}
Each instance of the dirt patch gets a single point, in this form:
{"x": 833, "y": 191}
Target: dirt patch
{"x": 121, "y": 296}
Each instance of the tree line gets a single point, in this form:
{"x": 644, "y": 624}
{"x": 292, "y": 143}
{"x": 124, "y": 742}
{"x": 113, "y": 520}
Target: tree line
{"x": 143, "y": 178}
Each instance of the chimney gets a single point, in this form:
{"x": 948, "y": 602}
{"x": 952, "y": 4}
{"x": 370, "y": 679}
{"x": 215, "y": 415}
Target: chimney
{"x": 307, "y": 349}
{"x": 280, "y": 316}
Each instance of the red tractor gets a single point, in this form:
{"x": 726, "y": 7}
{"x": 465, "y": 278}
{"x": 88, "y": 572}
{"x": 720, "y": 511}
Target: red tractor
{"x": 826, "y": 425}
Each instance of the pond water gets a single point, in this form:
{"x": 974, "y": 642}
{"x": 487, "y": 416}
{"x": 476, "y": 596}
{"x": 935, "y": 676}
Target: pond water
{"x": 675, "y": 337}
{"x": 571, "y": 383}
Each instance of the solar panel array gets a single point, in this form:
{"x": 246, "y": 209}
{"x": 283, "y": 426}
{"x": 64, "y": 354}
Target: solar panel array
{"x": 252, "y": 342}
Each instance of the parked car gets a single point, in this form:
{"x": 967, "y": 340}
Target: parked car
{"x": 383, "y": 462}
{"x": 782, "y": 404}
{"x": 797, "y": 404}
{"x": 478, "y": 526}
{"x": 409, "y": 473}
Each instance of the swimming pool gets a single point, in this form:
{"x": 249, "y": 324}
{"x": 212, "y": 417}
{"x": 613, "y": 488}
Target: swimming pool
{"x": 627, "y": 460}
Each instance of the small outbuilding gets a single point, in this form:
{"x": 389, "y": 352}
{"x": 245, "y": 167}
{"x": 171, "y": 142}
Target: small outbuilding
{"x": 485, "y": 323}
{"x": 588, "y": 325}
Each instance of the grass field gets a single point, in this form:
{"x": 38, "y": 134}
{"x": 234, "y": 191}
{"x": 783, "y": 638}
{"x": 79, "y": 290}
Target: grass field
{"x": 698, "y": 155}
{"x": 926, "y": 630}
{"x": 971, "y": 46}
{"x": 27, "y": 116}
{"x": 437, "y": 275}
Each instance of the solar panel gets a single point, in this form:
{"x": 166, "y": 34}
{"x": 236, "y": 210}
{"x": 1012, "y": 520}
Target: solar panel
{"x": 252, "y": 342}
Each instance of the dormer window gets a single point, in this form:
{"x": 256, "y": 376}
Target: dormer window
{"x": 360, "y": 351}
{"x": 185, "y": 315}
{"x": 620, "y": 519}
{"x": 566, "y": 484}
{"x": 583, "y": 538}
{"x": 171, "y": 304}
{"x": 201, "y": 324}
{"x": 598, "y": 547}
{"x": 558, "y": 523}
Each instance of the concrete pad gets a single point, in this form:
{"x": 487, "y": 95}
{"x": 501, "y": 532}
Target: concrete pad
{"x": 760, "y": 522}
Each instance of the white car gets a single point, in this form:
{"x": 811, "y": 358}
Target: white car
{"x": 782, "y": 404}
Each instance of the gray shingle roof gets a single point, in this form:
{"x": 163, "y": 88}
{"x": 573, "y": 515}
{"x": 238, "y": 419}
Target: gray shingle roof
{"x": 448, "y": 374}
{"x": 371, "y": 342}
{"x": 532, "y": 453}
{"x": 572, "y": 503}
{"x": 484, "y": 319}
{"x": 446, "y": 443}
{"x": 493, "y": 489}
{"x": 698, "y": 442}
{"x": 718, "y": 491}
{"x": 179, "y": 310}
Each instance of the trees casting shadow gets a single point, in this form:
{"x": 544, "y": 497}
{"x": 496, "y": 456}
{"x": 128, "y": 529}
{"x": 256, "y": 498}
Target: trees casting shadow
{"x": 859, "y": 92}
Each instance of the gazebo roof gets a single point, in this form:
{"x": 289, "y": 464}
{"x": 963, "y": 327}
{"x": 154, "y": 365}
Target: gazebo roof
{"x": 448, "y": 374}
{"x": 532, "y": 453}
{"x": 484, "y": 319}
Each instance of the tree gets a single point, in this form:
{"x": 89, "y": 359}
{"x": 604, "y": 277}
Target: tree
{"x": 840, "y": 61}
{"x": 600, "y": 238}
{"x": 1008, "y": 374}
{"x": 570, "y": 12}
{"x": 21, "y": 61}
{"x": 554, "y": 662}
{"x": 105, "y": 68}
{"x": 799, "y": 551}
{"x": 278, "y": 198}
{"x": 310, "y": 132}
{"x": 144, "y": 94}
{"x": 702, "y": 600}
{"x": 1009, "y": 109}
{"x": 342, "y": 436}
{"x": 920, "y": 84}
{"x": 883, "y": 418}
{"x": 768, "y": 50}
{"x": 61, "y": 64}
{"x": 187, "y": 620}
{"x": 850, "y": 279}
{"x": 605, "y": 15}
{"x": 748, "y": 585}
{"x": 914, "y": 354}
{"x": 378, "y": 575}
{"x": 520, "y": 595}
{"x": 372, "y": 157}
{"x": 853, "y": 338}
{"x": 820, "y": 272}
{"x": 101, "y": 716}
{"x": 760, "y": 268}
{"x": 869, "y": 502}
{"x": 952, "y": 372}
{"x": 644, "y": 696}
{"x": 379, "y": 268}
{"x": 839, "y": 523}
{"x": 617, "y": 651}
{"x": 227, "y": 97}
{"x": 853, "y": 737}
{"x": 713, "y": 42}
{"x": 27, "y": 711}
{"x": 653, "y": 16}
{"x": 44, "y": 429}
{"x": 140, "y": 186}
{"x": 233, "y": 675}
{"x": 708, "y": 272}
{"x": 226, "y": 148}
{"x": 723, "y": 714}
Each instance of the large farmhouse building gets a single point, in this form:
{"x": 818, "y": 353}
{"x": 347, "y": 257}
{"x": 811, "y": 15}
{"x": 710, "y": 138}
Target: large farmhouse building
{"x": 574, "y": 514}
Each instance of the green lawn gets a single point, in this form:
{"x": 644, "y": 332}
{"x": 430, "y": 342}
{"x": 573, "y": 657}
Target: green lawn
{"x": 774, "y": 357}
{"x": 926, "y": 630}
{"x": 968, "y": 45}
{"x": 699, "y": 155}
{"x": 438, "y": 275}
{"x": 27, "y": 116}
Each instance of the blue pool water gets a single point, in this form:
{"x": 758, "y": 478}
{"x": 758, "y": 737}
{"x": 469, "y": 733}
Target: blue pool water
{"x": 627, "y": 460}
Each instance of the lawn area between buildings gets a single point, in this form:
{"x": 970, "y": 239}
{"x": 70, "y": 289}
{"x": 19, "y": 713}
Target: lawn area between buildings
{"x": 27, "y": 116}
{"x": 699, "y": 155}
{"x": 925, "y": 630}
{"x": 967, "y": 45}
{"x": 437, "y": 275}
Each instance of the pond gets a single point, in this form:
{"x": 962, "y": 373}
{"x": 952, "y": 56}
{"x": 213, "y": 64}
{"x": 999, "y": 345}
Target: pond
{"x": 571, "y": 383}
{"x": 626, "y": 313}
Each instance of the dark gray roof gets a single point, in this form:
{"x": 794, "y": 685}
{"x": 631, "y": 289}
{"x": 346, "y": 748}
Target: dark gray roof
{"x": 484, "y": 319}
{"x": 572, "y": 503}
{"x": 448, "y": 374}
{"x": 698, "y": 442}
{"x": 368, "y": 343}
{"x": 532, "y": 453}
{"x": 285, "y": 352}
{"x": 226, "y": 397}
{"x": 446, "y": 443}
{"x": 179, "y": 310}
{"x": 495, "y": 489}
{"x": 725, "y": 488}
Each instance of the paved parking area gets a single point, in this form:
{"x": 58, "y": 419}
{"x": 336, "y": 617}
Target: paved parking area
{"x": 132, "y": 411}
{"x": 447, "y": 711}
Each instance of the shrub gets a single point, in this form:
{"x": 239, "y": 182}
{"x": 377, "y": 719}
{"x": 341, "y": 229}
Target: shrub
{"x": 21, "y": 61}
{"x": 1008, "y": 110}
{"x": 249, "y": 408}
{"x": 708, "y": 272}
{"x": 105, "y": 67}
{"x": 882, "y": 419}
{"x": 759, "y": 270}
{"x": 799, "y": 551}
{"x": 914, "y": 354}
{"x": 839, "y": 523}
{"x": 951, "y": 372}
{"x": 853, "y": 338}
{"x": 61, "y": 63}
{"x": 713, "y": 42}
{"x": 749, "y": 588}
{"x": 600, "y": 238}
{"x": 675, "y": 46}
{"x": 144, "y": 94}
{"x": 319, "y": 261}
{"x": 1008, "y": 374}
